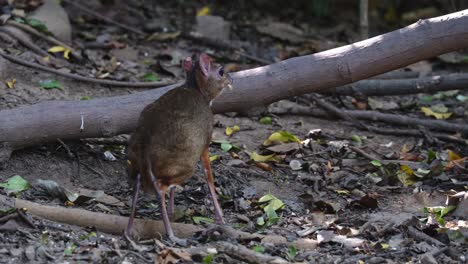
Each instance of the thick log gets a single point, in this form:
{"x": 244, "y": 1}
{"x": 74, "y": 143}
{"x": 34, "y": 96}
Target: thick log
{"x": 45, "y": 122}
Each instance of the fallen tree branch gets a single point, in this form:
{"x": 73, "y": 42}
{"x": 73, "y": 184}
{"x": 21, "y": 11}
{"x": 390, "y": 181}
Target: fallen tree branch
{"x": 243, "y": 253}
{"x": 439, "y": 125}
{"x": 144, "y": 229}
{"x": 45, "y": 122}
{"x": 403, "y": 86}
{"x": 401, "y": 120}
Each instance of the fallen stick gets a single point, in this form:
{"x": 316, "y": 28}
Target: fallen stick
{"x": 144, "y": 229}
{"x": 112, "y": 224}
{"x": 403, "y": 86}
{"x": 401, "y": 120}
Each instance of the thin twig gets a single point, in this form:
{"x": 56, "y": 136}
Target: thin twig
{"x": 413, "y": 232}
{"x": 50, "y": 39}
{"x": 82, "y": 78}
{"x": 381, "y": 87}
{"x": 24, "y": 41}
{"x": 92, "y": 169}
{"x": 221, "y": 44}
{"x": 402, "y": 120}
{"x": 364, "y": 154}
{"x": 335, "y": 111}
{"x": 103, "y": 18}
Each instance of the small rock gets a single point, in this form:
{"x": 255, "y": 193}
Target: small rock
{"x": 52, "y": 14}
{"x": 243, "y": 218}
{"x": 376, "y": 260}
{"x": 428, "y": 258}
{"x": 109, "y": 156}
{"x": 295, "y": 165}
{"x": 243, "y": 204}
{"x": 213, "y": 27}
{"x": 462, "y": 209}
{"x": 16, "y": 252}
{"x": 30, "y": 253}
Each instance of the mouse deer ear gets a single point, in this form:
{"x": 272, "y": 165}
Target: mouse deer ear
{"x": 205, "y": 63}
{"x": 187, "y": 64}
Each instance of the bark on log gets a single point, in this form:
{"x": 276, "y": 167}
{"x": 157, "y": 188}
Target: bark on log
{"x": 45, "y": 122}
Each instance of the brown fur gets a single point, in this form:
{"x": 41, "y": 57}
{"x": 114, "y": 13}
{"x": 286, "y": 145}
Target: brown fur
{"x": 173, "y": 131}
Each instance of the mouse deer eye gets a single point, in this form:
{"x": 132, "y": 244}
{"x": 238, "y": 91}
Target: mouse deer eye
{"x": 221, "y": 71}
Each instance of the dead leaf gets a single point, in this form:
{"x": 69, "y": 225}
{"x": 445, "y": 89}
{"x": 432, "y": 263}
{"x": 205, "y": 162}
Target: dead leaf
{"x": 262, "y": 158}
{"x": 11, "y": 83}
{"x": 171, "y": 256}
{"x": 429, "y": 112}
{"x": 280, "y": 137}
{"x": 453, "y": 57}
{"x": 367, "y": 202}
{"x": 453, "y": 156}
{"x": 57, "y": 49}
{"x": 382, "y": 105}
{"x": 264, "y": 166}
{"x": 103, "y": 198}
{"x": 231, "y": 130}
{"x": 285, "y": 148}
{"x": 204, "y": 11}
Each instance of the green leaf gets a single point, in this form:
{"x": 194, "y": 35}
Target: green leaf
{"x": 292, "y": 252}
{"x": 150, "y": 77}
{"x": 421, "y": 173}
{"x": 226, "y": 146}
{"x": 214, "y": 157}
{"x": 431, "y": 155}
{"x": 356, "y": 139}
{"x": 198, "y": 219}
{"x": 34, "y": 23}
{"x": 427, "y": 98}
{"x": 273, "y": 203}
{"x": 281, "y": 136}
{"x": 70, "y": 249}
{"x": 440, "y": 211}
{"x": 273, "y": 218}
{"x": 446, "y": 210}
{"x": 266, "y": 120}
{"x": 262, "y": 158}
{"x": 208, "y": 259}
{"x": 259, "y": 249}
{"x": 260, "y": 221}
{"x": 406, "y": 175}
{"x": 51, "y": 84}
{"x": 15, "y": 184}
{"x": 376, "y": 163}
{"x": 86, "y": 97}
{"x": 462, "y": 98}
{"x": 90, "y": 234}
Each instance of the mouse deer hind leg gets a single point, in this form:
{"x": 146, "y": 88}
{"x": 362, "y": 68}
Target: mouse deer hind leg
{"x": 136, "y": 190}
{"x": 205, "y": 157}
{"x": 160, "y": 191}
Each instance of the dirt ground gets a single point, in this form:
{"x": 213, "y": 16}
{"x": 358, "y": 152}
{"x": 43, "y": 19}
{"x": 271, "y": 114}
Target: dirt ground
{"x": 350, "y": 210}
